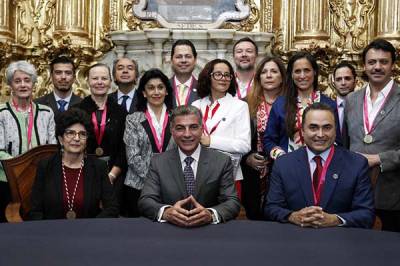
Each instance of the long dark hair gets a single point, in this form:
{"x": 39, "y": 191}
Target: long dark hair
{"x": 154, "y": 73}
{"x": 292, "y": 93}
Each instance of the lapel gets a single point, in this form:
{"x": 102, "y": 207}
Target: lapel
{"x": 88, "y": 177}
{"x": 303, "y": 175}
{"x": 193, "y": 93}
{"x": 391, "y": 102}
{"x": 74, "y": 100}
{"x": 147, "y": 129}
{"x": 334, "y": 169}
{"x": 222, "y": 113}
{"x": 202, "y": 167}
{"x": 57, "y": 176}
{"x": 175, "y": 167}
{"x": 132, "y": 108}
{"x": 51, "y": 102}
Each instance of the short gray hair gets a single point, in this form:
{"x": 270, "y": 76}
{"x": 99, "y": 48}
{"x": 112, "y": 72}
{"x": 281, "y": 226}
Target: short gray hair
{"x": 114, "y": 69}
{"x": 22, "y": 66}
{"x": 186, "y": 110}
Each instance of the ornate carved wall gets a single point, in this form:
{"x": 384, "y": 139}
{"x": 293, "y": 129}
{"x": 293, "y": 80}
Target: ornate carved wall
{"x": 331, "y": 29}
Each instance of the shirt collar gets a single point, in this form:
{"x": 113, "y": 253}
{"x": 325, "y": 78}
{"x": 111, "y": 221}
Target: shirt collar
{"x": 324, "y": 155}
{"x": 339, "y": 100}
{"x": 195, "y": 155}
{"x": 130, "y": 94}
{"x": 67, "y": 99}
{"x": 384, "y": 92}
{"x": 187, "y": 83}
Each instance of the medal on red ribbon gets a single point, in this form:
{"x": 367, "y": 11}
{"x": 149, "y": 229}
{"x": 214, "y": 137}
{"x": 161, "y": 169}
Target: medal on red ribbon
{"x": 99, "y": 132}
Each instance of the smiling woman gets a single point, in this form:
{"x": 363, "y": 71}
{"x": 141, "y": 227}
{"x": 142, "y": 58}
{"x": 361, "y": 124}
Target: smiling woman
{"x": 23, "y": 123}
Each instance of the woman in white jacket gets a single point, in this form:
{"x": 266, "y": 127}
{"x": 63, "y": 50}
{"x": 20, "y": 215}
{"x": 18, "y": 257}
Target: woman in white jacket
{"x": 226, "y": 120}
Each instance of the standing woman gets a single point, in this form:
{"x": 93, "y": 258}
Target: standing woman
{"x": 226, "y": 120}
{"x": 283, "y": 133}
{"x": 23, "y": 124}
{"x": 269, "y": 83}
{"x": 146, "y": 132}
{"x": 108, "y": 119}
{"x": 71, "y": 184}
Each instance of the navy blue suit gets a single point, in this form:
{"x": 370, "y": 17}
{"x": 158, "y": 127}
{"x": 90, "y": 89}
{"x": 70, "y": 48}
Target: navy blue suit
{"x": 275, "y": 133}
{"x": 347, "y": 190}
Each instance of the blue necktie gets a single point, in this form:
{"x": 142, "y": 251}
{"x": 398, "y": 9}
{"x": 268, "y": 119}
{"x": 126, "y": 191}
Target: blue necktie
{"x": 124, "y": 100}
{"x": 189, "y": 176}
{"x": 62, "y": 105}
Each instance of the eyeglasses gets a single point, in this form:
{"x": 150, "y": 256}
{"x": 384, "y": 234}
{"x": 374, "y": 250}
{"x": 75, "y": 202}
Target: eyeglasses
{"x": 220, "y": 76}
{"x": 70, "y": 134}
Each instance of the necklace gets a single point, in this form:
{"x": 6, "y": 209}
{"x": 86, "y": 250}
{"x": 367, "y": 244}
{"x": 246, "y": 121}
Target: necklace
{"x": 71, "y": 214}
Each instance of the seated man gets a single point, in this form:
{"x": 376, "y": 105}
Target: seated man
{"x": 320, "y": 185}
{"x": 190, "y": 185}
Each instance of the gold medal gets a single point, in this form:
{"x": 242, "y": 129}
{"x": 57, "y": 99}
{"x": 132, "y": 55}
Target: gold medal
{"x": 71, "y": 214}
{"x": 368, "y": 139}
{"x": 99, "y": 151}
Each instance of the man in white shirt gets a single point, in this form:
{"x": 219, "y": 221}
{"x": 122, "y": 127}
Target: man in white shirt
{"x": 125, "y": 73}
{"x": 245, "y": 52}
{"x": 320, "y": 185}
{"x": 372, "y": 115}
{"x": 183, "y": 82}
{"x": 344, "y": 79}
{"x": 190, "y": 185}
{"x": 62, "y": 72}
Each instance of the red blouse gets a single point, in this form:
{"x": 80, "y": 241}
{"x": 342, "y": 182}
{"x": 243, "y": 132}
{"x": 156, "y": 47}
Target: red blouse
{"x": 71, "y": 176}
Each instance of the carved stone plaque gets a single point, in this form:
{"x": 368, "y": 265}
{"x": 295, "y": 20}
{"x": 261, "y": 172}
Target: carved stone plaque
{"x": 192, "y": 14}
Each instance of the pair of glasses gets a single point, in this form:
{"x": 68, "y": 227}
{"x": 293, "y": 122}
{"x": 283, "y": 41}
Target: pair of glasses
{"x": 220, "y": 76}
{"x": 70, "y": 134}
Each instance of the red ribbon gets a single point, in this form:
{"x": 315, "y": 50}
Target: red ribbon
{"x": 177, "y": 94}
{"x": 99, "y": 133}
{"x": 159, "y": 143}
{"x": 317, "y": 194}
{"x": 205, "y": 118}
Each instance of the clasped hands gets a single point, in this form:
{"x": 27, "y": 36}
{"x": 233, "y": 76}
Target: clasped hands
{"x": 313, "y": 216}
{"x": 178, "y": 215}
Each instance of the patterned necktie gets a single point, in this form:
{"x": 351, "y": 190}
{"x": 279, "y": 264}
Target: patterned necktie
{"x": 124, "y": 100}
{"x": 62, "y": 105}
{"x": 189, "y": 176}
{"x": 317, "y": 172}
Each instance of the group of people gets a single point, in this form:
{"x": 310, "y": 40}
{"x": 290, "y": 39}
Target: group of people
{"x": 191, "y": 151}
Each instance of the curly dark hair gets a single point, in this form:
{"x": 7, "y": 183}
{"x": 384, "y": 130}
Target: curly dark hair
{"x": 204, "y": 84}
{"x": 73, "y": 116}
{"x": 154, "y": 73}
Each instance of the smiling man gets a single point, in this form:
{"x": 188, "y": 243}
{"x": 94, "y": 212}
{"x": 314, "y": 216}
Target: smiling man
{"x": 372, "y": 116}
{"x": 320, "y": 185}
{"x": 190, "y": 185}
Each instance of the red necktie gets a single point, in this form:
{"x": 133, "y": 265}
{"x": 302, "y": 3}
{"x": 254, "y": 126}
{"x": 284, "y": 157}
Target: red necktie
{"x": 317, "y": 172}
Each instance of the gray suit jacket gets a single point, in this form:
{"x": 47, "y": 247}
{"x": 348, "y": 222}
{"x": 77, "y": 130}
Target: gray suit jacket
{"x": 165, "y": 184}
{"x": 50, "y": 101}
{"x": 386, "y": 135}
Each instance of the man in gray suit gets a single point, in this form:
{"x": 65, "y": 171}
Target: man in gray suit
{"x": 372, "y": 115}
{"x": 190, "y": 185}
{"x": 62, "y": 71}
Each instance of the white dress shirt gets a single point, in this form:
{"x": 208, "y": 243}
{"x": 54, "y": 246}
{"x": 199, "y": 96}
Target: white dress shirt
{"x": 340, "y": 102}
{"x": 67, "y": 99}
{"x": 130, "y": 95}
{"x": 182, "y": 94}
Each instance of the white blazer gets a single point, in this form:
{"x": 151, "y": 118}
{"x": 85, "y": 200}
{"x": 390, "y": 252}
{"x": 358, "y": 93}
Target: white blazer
{"x": 233, "y": 132}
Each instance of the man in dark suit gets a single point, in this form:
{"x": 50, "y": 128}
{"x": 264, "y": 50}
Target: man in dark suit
{"x": 183, "y": 61}
{"x": 190, "y": 185}
{"x": 62, "y": 71}
{"x": 372, "y": 115}
{"x": 125, "y": 73}
{"x": 320, "y": 185}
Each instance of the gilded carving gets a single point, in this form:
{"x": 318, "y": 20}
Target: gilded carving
{"x": 350, "y": 20}
{"x": 247, "y": 24}
{"x": 133, "y": 22}
{"x": 25, "y": 22}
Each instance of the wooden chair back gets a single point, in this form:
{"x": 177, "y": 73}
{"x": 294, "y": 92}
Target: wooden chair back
{"x": 21, "y": 172}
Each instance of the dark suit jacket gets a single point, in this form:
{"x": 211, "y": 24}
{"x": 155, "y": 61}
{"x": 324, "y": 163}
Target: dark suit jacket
{"x": 112, "y": 143}
{"x": 349, "y": 195}
{"x": 275, "y": 133}
{"x": 193, "y": 93}
{"x": 132, "y": 108}
{"x": 50, "y": 101}
{"x": 47, "y": 190}
{"x": 386, "y": 143}
{"x": 215, "y": 188}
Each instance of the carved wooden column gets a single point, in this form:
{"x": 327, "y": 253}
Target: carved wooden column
{"x": 312, "y": 23}
{"x": 6, "y": 14}
{"x": 388, "y": 23}
{"x": 72, "y": 18}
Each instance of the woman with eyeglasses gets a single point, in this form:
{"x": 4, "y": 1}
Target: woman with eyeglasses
{"x": 283, "y": 133}
{"x": 72, "y": 184}
{"x": 108, "y": 120}
{"x": 146, "y": 133}
{"x": 23, "y": 124}
{"x": 226, "y": 120}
